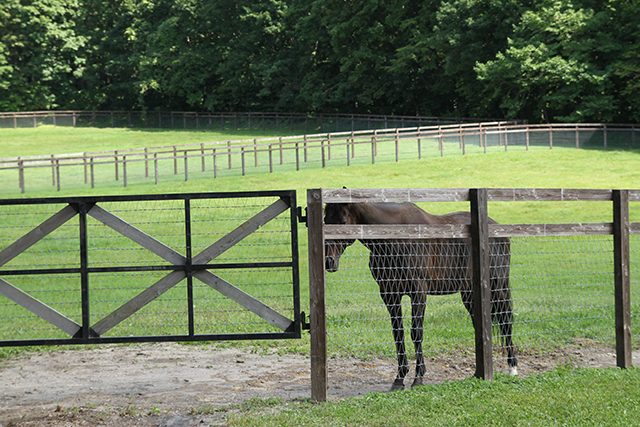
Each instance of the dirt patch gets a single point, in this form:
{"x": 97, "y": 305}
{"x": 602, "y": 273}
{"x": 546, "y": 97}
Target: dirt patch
{"x": 169, "y": 384}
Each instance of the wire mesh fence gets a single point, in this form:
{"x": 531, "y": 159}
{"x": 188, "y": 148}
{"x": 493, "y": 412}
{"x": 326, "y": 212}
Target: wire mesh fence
{"x": 558, "y": 291}
{"x": 178, "y": 267}
{"x": 174, "y": 120}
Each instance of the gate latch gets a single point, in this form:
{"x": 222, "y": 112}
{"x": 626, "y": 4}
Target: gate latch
{"x": 301, "y": 218}
{"x": 303, "y": 322}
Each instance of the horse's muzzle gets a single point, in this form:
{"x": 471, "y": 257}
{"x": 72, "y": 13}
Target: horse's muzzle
{"x": 330, "y": 264}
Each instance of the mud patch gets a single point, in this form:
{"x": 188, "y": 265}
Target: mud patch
{"x": 169, "y": 384}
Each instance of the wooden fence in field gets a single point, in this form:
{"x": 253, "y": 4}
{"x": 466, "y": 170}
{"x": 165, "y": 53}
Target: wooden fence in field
{"x": 221, "y": 121}
{"x": 317, "y": 148}
{"x": 480, "y": 231}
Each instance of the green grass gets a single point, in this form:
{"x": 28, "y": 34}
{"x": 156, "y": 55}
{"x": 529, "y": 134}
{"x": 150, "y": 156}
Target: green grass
{"x": 46, "y": 140}
{"x": 549, "y": 278}
{"x": 565, "y": 397}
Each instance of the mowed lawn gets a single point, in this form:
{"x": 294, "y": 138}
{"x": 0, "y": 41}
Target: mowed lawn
{"x": 566, "y": 397}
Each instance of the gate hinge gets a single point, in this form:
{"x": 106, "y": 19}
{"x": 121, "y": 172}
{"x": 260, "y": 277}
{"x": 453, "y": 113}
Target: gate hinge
{"x": 301, "y": 218}
{"x": 303, "y": 322}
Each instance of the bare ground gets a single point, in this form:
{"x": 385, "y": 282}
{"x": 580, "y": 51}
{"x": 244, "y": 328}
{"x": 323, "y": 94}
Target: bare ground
{"x": 175, "y": 385}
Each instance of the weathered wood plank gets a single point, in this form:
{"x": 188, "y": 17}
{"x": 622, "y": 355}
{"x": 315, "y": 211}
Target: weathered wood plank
{"x": 400, "y": 231}
{"x": 634, "y": 228}
{"x": 37, "y": 234}
{"x": 385, "y": 195}
{"x": 381, "y": 195}
{"x": 547, "y": 230}
{"x": 622, "y": 277}
{"x": 139, "y": 301}
{"x": 317, "y": 296}
{"x": 244, "y": 230}
{"x": 247, "y": 301}
{"x": 546, "y": 194}
{"x": 421, "y": 231}
{"x": 133, "y": 233}
{"x": 38, "y": 308}
{"x": 480, "y": 255}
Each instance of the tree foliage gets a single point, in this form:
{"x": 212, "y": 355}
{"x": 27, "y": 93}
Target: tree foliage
{"x": 541, "y": 60}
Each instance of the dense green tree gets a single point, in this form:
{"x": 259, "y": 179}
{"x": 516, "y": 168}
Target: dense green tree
{"x": 41, "y": 59}
{"x": 558, "y": 66}
{"x": 541, "y": 60}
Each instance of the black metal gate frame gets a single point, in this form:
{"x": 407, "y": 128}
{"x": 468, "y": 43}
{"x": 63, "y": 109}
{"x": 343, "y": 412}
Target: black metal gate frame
{"x": 180, "y": 267}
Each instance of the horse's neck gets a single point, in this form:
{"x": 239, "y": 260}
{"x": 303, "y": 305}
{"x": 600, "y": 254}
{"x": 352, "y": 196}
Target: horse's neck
{"x": 370, "y": 213}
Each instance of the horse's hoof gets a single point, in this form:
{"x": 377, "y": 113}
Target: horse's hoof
{"x": 417, "y": 382}
{"x": 513, "y": 370}
{"x": 397, "y": 385}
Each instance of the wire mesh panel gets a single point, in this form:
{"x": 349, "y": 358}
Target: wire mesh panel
{"x": 556, "y": 293}
{"x": 359, "y": 323}
{"x": 180, "y": 267}
{"x": 563, "y": 297}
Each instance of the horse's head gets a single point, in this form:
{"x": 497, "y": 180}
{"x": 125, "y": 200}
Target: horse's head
{"x": 336, "y": 213}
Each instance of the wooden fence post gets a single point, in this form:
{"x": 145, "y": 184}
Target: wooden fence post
{"x": 397, "y": 143}
{"x": 175, "y": 159}
{"x": 91, "y": 171}
{"x": 621, "y": 256}
{"x": 255, "y": 151}
{"x": 155, "y": 166}
{"x": 84, "y": 159}
{"x": 58, "y": 173}
{"x": 481, "y": 282}
{"x": 124, "y": 169}
{"x": 186, "y": 166}
{"x": 317, "y": 302}
{"x": 146, "y": 163}
{"x": 115, "y": 153}
{"x": 242, "y": 159}
{"x": 270, "y": 158}
{"x": 21, "y": 174}
{"x": 202, "y": 160}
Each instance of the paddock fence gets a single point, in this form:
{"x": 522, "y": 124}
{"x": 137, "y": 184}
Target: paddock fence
{"x": 241, "y": 121}
{"x": 179, "y": 267}
{"x": 575, "y": 284}
{"x": 266, "y": 155}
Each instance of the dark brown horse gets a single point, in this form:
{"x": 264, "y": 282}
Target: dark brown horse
{"x": 418, "y": 268}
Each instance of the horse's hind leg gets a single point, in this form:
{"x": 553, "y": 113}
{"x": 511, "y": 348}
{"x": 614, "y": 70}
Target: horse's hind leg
{"x": 503, "y": 314}
{"x": 393, "y": 302}
{"x": 418, "y": 302}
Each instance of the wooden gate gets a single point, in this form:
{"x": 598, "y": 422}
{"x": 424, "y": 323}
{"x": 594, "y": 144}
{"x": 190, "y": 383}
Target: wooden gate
{"x": 120, "y": 269}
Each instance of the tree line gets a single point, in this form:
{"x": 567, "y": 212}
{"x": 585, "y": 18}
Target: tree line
{"x": 540, "y": 60}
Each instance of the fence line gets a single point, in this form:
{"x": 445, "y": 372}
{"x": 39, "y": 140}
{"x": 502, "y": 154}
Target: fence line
{"x": 222, "y": 121}
{"x": 582, "y": 270}
{"x": 322, "y": 148}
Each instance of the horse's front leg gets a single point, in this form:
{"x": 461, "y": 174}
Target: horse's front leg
{"x": 393, "y": 302}
{"x": 418, "y": 302}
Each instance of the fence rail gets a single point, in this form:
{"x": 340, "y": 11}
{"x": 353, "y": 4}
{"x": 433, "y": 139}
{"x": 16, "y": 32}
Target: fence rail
{"x": 313, "y": 150}
{"x": 571, "y": 283}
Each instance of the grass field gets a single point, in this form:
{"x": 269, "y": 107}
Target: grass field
{"x": 538, "y": 305}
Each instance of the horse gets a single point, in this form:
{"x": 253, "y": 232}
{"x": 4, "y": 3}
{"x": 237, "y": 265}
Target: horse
{"x": 421, "y": 267}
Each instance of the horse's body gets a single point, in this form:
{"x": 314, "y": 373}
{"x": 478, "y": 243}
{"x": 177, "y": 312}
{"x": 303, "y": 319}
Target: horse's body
{"x": 418, "y": 268}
